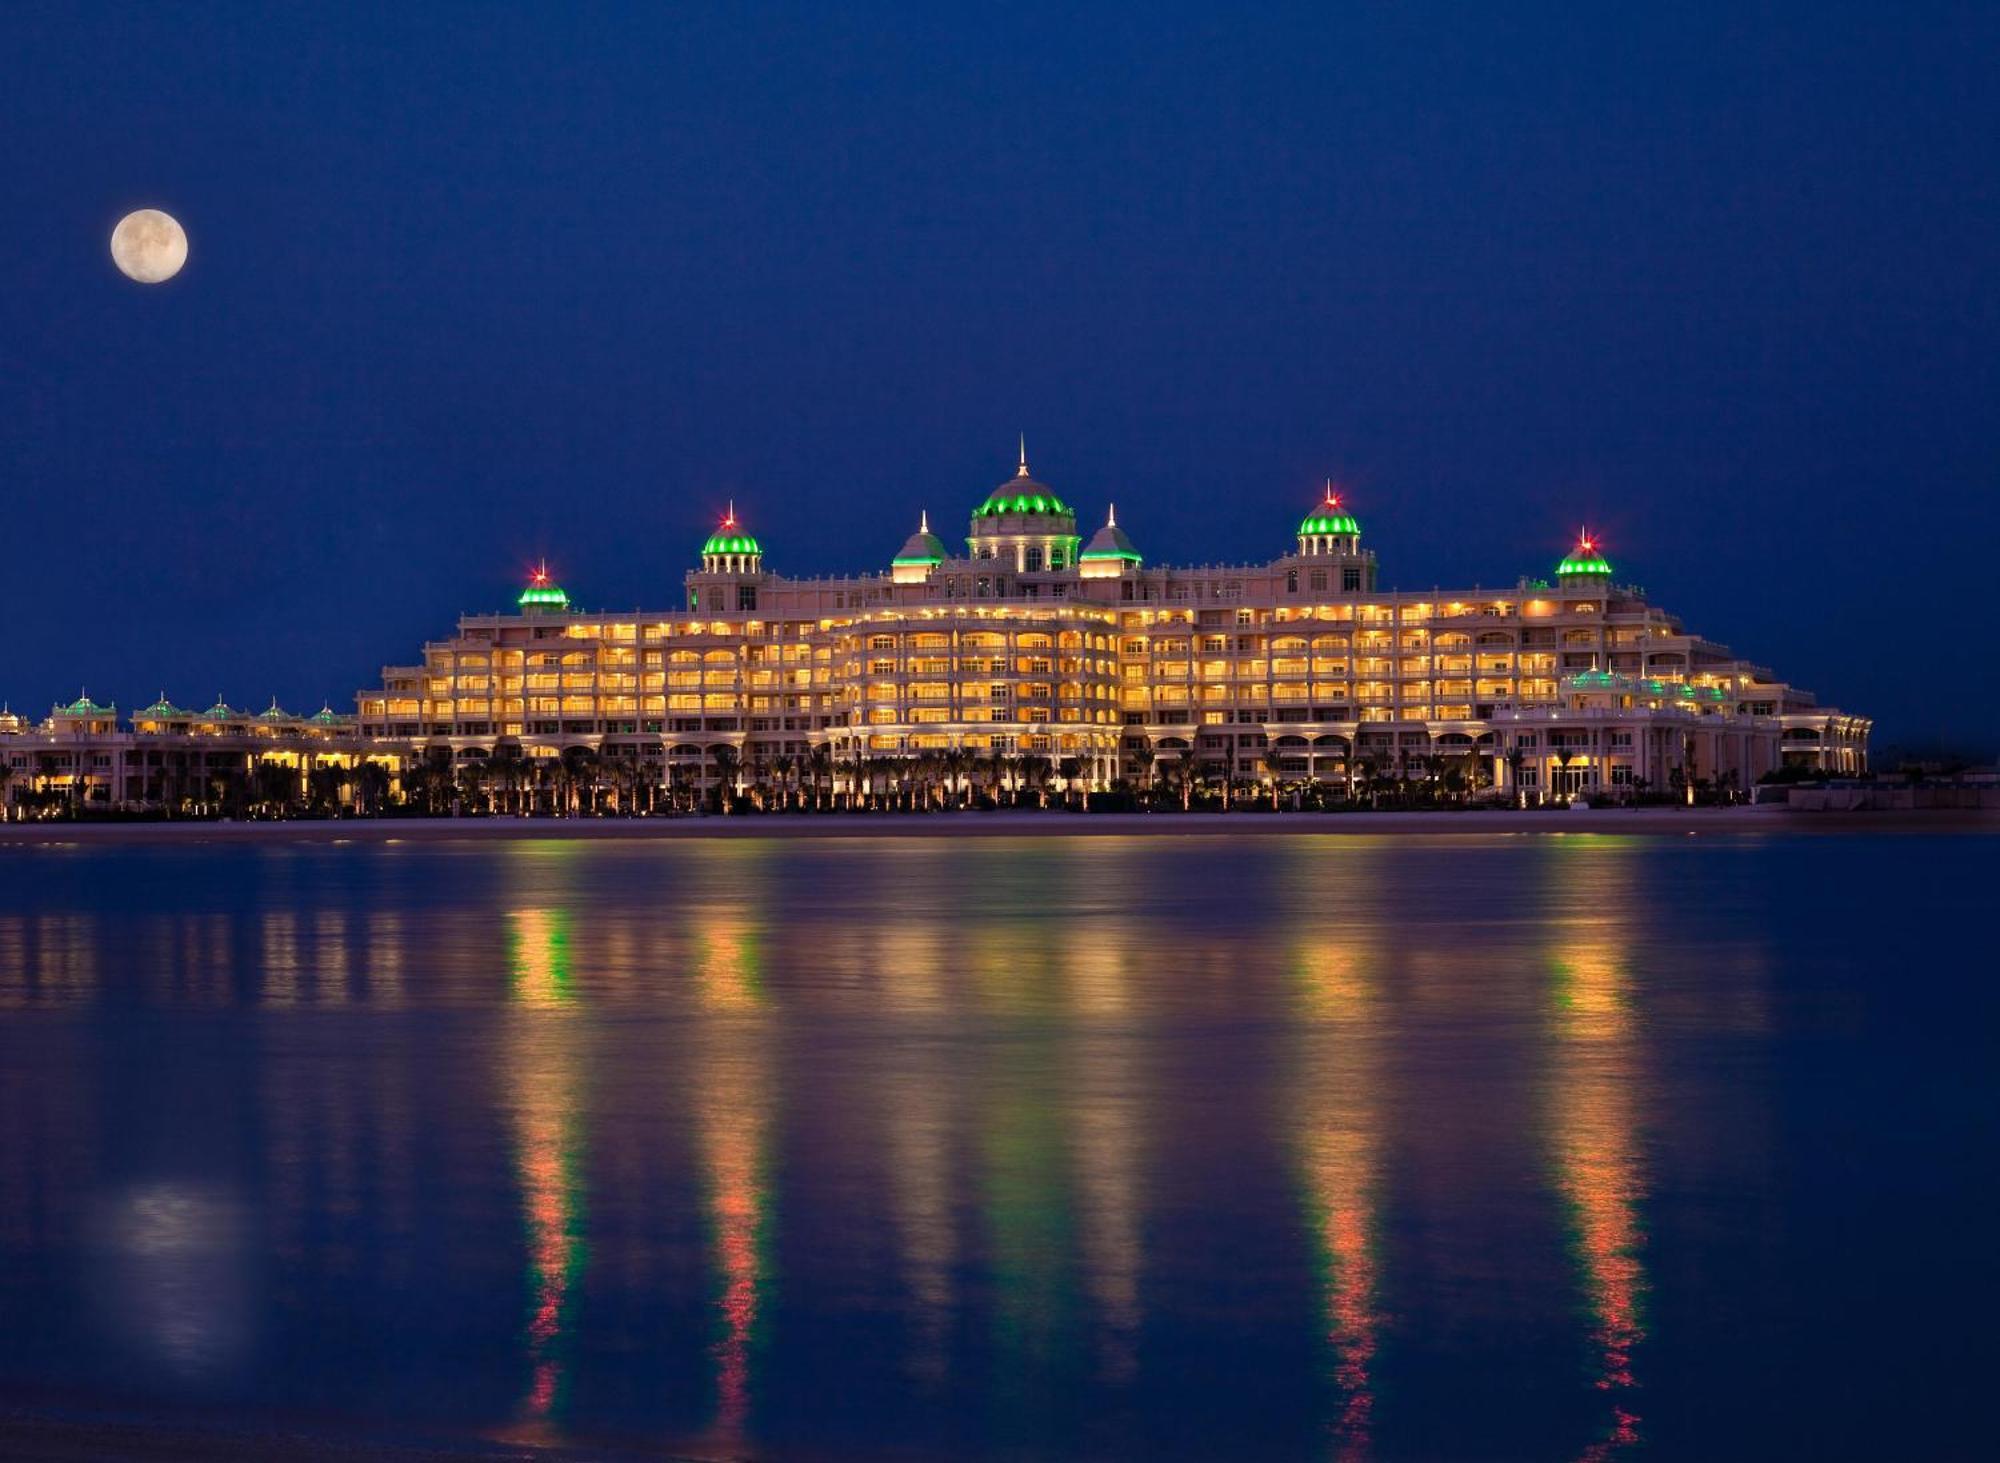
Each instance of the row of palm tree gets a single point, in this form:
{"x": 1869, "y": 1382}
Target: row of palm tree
{"x": 615, "y": 780}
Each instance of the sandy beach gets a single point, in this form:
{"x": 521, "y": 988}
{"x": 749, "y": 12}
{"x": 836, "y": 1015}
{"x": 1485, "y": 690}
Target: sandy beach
{"x": 66, "y": 1438}
{"x": 1018, "y": 824}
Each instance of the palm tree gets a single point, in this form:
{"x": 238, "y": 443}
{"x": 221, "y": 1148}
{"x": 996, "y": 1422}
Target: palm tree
{"x": 371, "y": 781}
{"x": 957, "y": 763}
{"x": 618, "y": 769}
{"x": 1564, "y": 756}
{"x": 1273, "y": 765}
{"x": 1071, "y": 769}
{"x": 507, "y": 764}
{"x": 275, "y": 786}
{"x": 323, "y": 786}
{"x": 857, "y": 766}
{"x": 429, "y": 781}
{"x": 1035, "y": 773}
{"x": 819, "y": 764}
{"x": 1144, "y": 758}
{"x": 727, "y": 760}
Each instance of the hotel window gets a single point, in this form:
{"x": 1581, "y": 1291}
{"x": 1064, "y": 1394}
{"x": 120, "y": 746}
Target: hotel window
{"x": 1350, "y": 579}
{"x": 1318, "y": 581}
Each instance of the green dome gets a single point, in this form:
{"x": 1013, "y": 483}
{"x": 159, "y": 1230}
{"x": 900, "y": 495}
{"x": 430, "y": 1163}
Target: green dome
{"x": 1328, "y": 520}
{"x": 84, "y": 706}
{"x": 1022, "y": 494}
{"x": 1584, "y": 559}
{"x": 921, "y": 547}
{"x": 163, "y": 708}
{"x": 729, "y": 538}
{"x": 1329, "y": 517}
{"x": 542, "y": 592}
{"x": 1110, "y": 542}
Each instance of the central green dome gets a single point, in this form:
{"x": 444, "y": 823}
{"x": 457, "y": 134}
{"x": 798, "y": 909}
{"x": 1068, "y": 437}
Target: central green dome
{"x": 1023, "y": 494}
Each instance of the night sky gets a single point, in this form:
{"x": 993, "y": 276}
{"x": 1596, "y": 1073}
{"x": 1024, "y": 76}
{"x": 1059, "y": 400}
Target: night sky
{"x": 473, "y": 286}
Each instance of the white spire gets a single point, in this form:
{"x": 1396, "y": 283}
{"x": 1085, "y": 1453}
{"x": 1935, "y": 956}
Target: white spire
{"x": 924, "y": 521}
{"x": 1111, "y": 516}
{"x": 1023, "y": 470}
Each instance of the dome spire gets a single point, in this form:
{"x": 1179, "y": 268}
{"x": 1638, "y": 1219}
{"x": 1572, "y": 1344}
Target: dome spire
{"x": 1022, "y": 471}
{"x": 1111, "y": 515}
{"x": 923, "y": 520}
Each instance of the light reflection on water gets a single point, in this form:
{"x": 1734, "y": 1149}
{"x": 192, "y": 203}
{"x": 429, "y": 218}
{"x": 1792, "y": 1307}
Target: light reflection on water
{"x": 1354, "y": 1148}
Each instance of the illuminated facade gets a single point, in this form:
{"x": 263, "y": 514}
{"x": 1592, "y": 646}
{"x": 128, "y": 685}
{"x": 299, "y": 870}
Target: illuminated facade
{"x": 1036, "y": 640}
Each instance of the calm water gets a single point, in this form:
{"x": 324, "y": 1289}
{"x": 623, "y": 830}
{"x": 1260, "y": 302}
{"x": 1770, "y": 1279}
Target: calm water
{"x": 1535, "y": 1147}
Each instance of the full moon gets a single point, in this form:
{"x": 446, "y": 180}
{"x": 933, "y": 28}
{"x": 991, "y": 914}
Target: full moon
{"x": 149, "y": 246}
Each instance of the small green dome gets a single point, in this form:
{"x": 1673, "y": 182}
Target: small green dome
{"x": 1584, "y": 559}
{"x": 542, "y": 592}
{"x": 1329, "y": 517}
{"x": 1110, "y": 542}
{"x": 729, "y": 538}
{"x": 84, "y": 706}
{"x": 921, "y": 547}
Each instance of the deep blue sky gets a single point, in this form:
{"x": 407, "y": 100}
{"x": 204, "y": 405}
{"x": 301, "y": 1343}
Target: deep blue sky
{"x": 470, "y": 286}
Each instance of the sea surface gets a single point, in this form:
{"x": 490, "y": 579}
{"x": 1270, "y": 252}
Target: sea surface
{"x": 1543, "y": 1146}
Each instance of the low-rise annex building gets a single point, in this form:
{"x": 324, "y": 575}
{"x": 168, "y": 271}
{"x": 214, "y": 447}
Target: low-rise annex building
{"x": 164, "y": 756}
{"x": 1034, "y": 640}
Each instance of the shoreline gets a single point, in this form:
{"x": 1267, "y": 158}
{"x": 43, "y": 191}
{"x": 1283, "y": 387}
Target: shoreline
{"x": 1012, "y": 824}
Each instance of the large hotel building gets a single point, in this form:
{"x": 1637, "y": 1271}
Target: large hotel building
{"x": 1034, "y": 639}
